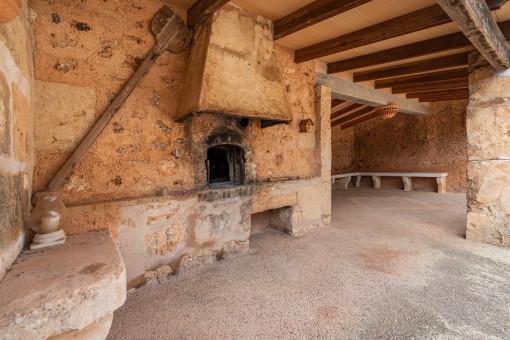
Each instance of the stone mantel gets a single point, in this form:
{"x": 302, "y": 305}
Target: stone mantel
{"x": 62, "y": 289}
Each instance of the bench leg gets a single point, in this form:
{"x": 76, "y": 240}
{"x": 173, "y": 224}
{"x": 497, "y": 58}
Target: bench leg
{"x": 377, "y": 182}
{"x": 345, "y": 182}
{"x": 441, "y": 185}
{"x": 332, "y": 181}
{"x": 408, "y": 183}
{"x": 358, "y": 181}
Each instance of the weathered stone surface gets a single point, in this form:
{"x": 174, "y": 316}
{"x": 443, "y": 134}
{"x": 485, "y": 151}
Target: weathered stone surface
{"x": 194, "y": 261}
{"x": 234, "y": 248}
{"x": 489, "y": 228}
{"x": 489, "y": 187}
{"x": 212, "y": 227}
{"x": 96, "y": 331}
{"x": 5, "y": 116}
{"x": 236, "y": 70}
{"x": 87, "y": 279}
{"x": 489, "y": 132}
{"x": 166, "y": 240}
{"x": 64, "y": 114}
{"x": 159, "y": 275}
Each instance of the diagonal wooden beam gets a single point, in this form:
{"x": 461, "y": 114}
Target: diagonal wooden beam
{"x": 419, "y": 49}
{"x": 336, "y": 104}
{"x": 441, "y": 85}
{"x": 443, "y": 98}
{"x": 345, "y": 110}
{"x": 352, "y": 116}
{"x": 412, "y": 22}
{"x": 475, "y": 20}
{"x": 496, "y": 4}
{"x": 451, "y": 61}
{"x": 440, "y": 93}
{"x": 312, "y": 14}
{"x": 359, "y": 121}
{"x": 357, "y": 93}
{"x": 202, "y": 9}
{"x": 422, "y": 78}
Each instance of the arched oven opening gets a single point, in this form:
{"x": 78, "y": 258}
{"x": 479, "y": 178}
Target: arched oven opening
{"x": 225, "y": 165}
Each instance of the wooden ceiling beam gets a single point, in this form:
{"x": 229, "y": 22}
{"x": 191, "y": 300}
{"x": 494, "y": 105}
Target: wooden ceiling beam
{"x": 408, "y": 23}
{"x": 312, "y": 14}
{"x": 422, "y": 78}
{"x": 475, "y": 20}
{"x": 443, "y": 98}
{"x": 419, "y": 49}
{"x": 441, "y": 85}
{"x": 352, "y": 116}
{"x": 360, "y": 120}
{"x": 345, "y": 110}
{"x": 439, "y": 93}
{"x": 202, "y": 9}
{"x": 336, "y": 104}
{"x": 451, "y": 61}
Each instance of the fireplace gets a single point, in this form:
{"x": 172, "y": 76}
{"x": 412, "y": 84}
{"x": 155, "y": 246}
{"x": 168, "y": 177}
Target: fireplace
{"x": 225, "y": 165}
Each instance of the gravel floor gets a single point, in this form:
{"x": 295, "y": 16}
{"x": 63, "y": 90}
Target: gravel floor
{"x": 392, "y": 264}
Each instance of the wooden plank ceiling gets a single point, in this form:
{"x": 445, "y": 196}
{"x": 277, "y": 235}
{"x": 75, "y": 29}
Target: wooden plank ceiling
{"x": 408, "y": 48}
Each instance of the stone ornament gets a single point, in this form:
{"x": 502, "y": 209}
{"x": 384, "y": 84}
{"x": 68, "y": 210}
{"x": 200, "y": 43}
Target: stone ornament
{"x": 9, "y": 9}
{"x": 47, "y": 219}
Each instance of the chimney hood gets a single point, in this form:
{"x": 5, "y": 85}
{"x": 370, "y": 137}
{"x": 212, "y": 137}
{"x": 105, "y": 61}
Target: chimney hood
{"x": 233, "y": 69}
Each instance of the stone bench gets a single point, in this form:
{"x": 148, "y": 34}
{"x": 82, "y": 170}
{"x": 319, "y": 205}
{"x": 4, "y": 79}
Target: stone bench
{"x": 407, "y": 177}
{"x": 63, "y": 292}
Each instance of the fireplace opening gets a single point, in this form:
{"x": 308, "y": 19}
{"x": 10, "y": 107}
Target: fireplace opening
{"x": 225, "y": 164}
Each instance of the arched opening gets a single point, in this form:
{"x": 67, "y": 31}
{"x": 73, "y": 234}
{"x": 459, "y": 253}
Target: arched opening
{"x": 225, "y": 164}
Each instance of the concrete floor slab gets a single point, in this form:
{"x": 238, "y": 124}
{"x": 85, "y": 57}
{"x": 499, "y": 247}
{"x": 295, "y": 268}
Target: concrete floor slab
{"x": 376, "y": 272}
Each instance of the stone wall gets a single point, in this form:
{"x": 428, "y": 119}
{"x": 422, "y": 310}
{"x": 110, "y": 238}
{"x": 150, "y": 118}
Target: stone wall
{"x": 86, "y": 51}
{"x": 488, "y": 174}
{"x": 435, "y": 143}
{"x": 16, "y": 161}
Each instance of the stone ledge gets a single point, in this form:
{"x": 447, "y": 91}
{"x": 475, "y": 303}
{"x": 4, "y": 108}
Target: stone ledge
{"x": 55, "y": 290}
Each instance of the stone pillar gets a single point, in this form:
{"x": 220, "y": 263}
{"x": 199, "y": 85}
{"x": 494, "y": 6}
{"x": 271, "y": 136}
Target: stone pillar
{"x": 323, "y": 132}
{"x": 488, "y": 169}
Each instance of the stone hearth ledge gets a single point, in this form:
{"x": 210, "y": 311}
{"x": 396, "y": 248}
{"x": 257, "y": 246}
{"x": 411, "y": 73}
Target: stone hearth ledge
{"x": 64, "y": 289}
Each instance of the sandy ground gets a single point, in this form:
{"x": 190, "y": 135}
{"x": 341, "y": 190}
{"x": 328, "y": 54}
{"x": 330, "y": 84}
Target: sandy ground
{"x": 392, "y": 264}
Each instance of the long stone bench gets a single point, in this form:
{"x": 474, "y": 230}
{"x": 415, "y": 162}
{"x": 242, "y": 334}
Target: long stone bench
{"x": 407, "y": 177}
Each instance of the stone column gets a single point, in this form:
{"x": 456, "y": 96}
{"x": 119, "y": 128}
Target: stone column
{"x": 323, "y": 132}
{"x": 488, "y": 169}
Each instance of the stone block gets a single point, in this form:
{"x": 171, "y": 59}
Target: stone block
{"x": 489, "y": 132}
{"x": 97, "y": 331}
{"x": 489, "y": 186}
{"x": 64, "y": 288}
{"x": 159, "y": 275}
{"x": 197, "y": 260}
{"x": 5, "y": 116}
{"x": 488, "y": 228}
{"x": 165, "y": 240}
{"x": 234, "y": 248}
{"x": 212, "y": 227}
{"x": 64, "y": 115}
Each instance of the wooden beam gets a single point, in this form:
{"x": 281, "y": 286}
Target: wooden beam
{"x": 440, "y": 85}
{"x": 352, "y": 116}
{"x": 451, "y": 61}
{"x": 359, "y": 121}
{"x": 419, "y": 49}
{"x": 357, "y": 93}
{"x": 439, "y": 93}
{"x": 345, "y": 110}
{"x": 443, "y": 98}
{"x": 312, "y": 14}
{"x": 336, "y": 104}
{"x": 412, "y": 22}
{"x": 202, "y": 9}
{"x": 475, "y": 20}
{"x": 422, "y": 78}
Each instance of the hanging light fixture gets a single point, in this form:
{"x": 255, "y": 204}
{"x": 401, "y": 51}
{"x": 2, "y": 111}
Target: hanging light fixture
{"x": 387, "y": 111}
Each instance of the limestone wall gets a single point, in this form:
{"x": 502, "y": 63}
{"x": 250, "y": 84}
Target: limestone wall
{"x": 85, "y": 52}
{"x": 436, "y": 143}
{"x": 16, "y": 161}
{"x": 488, "y": 170}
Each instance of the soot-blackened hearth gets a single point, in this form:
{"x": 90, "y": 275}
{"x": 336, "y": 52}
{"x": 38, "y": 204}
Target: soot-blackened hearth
{"x": 225, "y": 164}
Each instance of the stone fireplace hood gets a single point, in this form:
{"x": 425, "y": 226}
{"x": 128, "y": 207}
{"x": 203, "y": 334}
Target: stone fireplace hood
{"x": 233, "y": 69}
